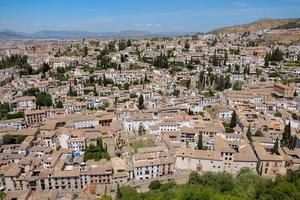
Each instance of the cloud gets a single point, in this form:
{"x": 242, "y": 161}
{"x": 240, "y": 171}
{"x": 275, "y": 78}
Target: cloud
{"x": 148, "y": 25}
{"x": 241, "y": 4}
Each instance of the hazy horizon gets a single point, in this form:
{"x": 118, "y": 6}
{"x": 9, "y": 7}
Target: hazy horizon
{"x": 140, "y": 15}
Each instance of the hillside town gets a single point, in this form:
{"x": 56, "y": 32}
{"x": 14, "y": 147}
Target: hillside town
{"x": 82, "y": 117}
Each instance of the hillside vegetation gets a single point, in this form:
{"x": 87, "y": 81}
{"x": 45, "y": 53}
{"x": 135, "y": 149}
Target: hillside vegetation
{"x": 220, "y": 186}
{"x": 260, "y": 25}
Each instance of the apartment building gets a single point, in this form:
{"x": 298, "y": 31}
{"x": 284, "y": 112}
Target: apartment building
{"x": 269, "y": 165}
{"x": 225, "y": 159}
{"x": 284, "y": 90}
{"x": 151, "y": 162}
{"x": 21, "y": 104}
{"x": 34, "y": 117}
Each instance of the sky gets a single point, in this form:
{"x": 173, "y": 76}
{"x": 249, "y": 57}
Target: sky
{"x": 146, "y": 15}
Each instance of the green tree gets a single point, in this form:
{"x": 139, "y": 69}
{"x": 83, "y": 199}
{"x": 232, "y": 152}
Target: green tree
{"x": 95, "y": 90}
{"x": 227, "y": 81}
{"x": 96, "y": 152}
{"x": 126, "y": 86}
{"x": 225, "y": 57}
{"x": 286, "y": 135}
{"x": 154, "y": 185}
{"x": 2, "y": 195}
{"x": 267, "y": 60}
{"x": 161, "y": 61}
{"x": 123, "y": 59}
{"x": 274, "y": 150}
{"x": 233, "y": 120}
{"x": 59, "y": 104}
{"x": 220, "y": 82}
{"x": 15, "y": 115}
{"x": 259, "y": 133}
{"x": 292, "y": 142}
{"x": 45, "y": 68}
{"x": 105, "y": 197}
{"x": 71, "y": 92}
{"x": 147, "y": 45}
{"x": 129, "y": 44}
{"x": 246, "y": 185}
{"x": 276, "y": 55}
{"x": 215, "y": 59}
{"x": 7, "y": 139}
{"x": 128, "y": 193}
{"x": 43, "y": 99}
{"x": 278, "y": 114}
{"x": 258, "y": 72}
{"x": 146, "y": 80}
{"x": 249, "y": 134}
{"x": 201, "y": 80}
{"x": 237, "y": 85}
{"x": 200, "y": 142}
{"x": 19, "y": 139}
{"x": 118, "y": 193}
{"x": 141, "y": 130}
{"x": 190, "y": 112}
{"x": 187, "y": 45}
{"x": 176, "y": 92}
{"x": 85, "y": 51}
{"x": 122, "y": 45}
{"x": 188, "y": 84}
{"x": 141, "y": 102}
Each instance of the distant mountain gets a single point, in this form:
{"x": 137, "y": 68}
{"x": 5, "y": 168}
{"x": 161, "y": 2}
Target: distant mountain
{"x": 262, "y": 24}
{"x": 175, "y": 33}
{"x": 63, "y": 34}
{"x": 128, "y": 33}
{"x": 8, "y": 34}
{"x": 46, "y": 34}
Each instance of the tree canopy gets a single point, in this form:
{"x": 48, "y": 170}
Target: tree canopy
{"x": 247, "y": 185}
{"x": 96, "y": 152}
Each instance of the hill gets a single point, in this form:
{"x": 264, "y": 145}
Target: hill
{"x": 262, "y": 24}
{"x": 5, "y": 34}
{"x": 47, "y": 34}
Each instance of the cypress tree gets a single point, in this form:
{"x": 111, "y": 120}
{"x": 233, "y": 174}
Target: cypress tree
{"x": 225, "y": 57}
{"x": 286, "y": 135}
{"x": 274, "y": 150}
{"x": 292, "y": 142}
{"x": 129, "y": 44}
{"x": 233, "y": 120}
{"x": 95, "y": 90}
{"x": 267, "y": 58}
{"x": 215, "y": 59}
{"x": 227, "y": 81}
{"x": 141, "y": 102}
{"x": 119, "y": 194}
{"x": 200, "y": 140}
{"x": 249, "y": 134}
{"x": 190, "y": 112}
